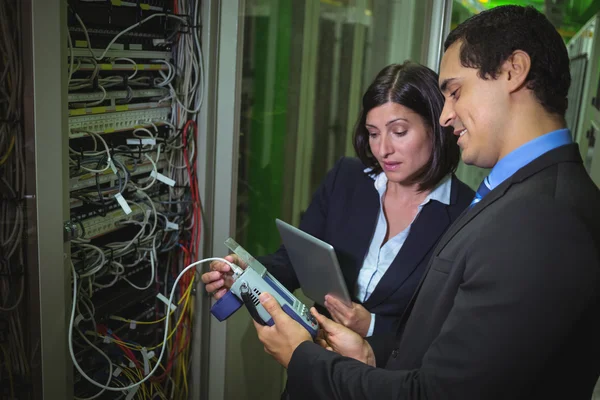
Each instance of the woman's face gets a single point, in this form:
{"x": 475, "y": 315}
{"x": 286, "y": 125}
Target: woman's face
{"x": 399, "y": 140}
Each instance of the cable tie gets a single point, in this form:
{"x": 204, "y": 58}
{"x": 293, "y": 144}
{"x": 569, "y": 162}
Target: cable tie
{"x": 112, "y": 166}
{"x": 133, "y": 390}
{"x": 123, "y": 203}
{"x": 172, "y": 226}
{"x": 162, "y": 178}
{"x": 162, "y": 298}
{"x": 146, "y": 361}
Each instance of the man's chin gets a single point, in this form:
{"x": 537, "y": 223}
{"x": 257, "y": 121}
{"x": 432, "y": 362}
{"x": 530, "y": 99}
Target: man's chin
{"x": 466, "y": 159}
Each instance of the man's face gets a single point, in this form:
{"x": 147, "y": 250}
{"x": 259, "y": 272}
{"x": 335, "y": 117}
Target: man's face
{"x": 475, "y": 108}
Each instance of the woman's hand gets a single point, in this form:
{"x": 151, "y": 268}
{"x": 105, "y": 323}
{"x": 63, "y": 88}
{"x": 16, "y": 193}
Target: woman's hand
{"x": 355, "y": 317}
{"x": 219, "y": 279}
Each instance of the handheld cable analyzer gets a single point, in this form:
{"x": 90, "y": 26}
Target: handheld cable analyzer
{"x": 249, "y": 283}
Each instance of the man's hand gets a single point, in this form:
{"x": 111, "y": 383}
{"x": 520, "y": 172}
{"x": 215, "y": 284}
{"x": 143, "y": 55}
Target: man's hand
{"x": 338, "y": 338}
{"x": 355, "y": 317}
{"x": 219, "y": 279}
{"x": 284, "y": 336}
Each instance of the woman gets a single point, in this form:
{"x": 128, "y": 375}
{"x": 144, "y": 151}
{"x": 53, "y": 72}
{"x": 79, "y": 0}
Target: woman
{"x": 383, "y": 212}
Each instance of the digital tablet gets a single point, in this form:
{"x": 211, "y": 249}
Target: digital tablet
{"x": 315, "y": 264}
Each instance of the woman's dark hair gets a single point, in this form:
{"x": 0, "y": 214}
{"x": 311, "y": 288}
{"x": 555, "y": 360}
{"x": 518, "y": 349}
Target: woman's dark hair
{"x": 416, "y": 87}
{"x": 489, "y": 38}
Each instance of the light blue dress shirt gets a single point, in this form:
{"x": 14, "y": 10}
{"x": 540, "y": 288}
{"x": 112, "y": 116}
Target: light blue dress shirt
{"x": 525, "y": 154}
{"x": 379, "y": 258}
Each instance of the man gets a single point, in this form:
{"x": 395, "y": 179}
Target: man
{"x": 509, "y": 307}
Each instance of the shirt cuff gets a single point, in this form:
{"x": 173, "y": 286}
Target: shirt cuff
{"x": 371, "y": 326}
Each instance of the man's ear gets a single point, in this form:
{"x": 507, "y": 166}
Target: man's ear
{"x": 516, "y": 68}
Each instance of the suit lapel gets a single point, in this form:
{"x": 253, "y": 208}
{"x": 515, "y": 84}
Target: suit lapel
{"x": 364, "y": 223}
{"x": 471, "y": 212}
{"x": 567, "y": 153}
{"x": 424, "y": 233}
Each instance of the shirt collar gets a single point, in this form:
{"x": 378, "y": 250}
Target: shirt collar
{"x": 526, "y": 153}
{"x": 440, "y": 193}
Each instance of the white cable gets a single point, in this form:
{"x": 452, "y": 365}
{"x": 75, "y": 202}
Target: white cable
{"x": 166, "y": 79}
{"x": 166, "y": 334}
{"x": 71, "y": 60}
{"x": 135, "y": 66}
{"x": 97, "y": 102}
{"x": 154, "y": 169}
{"x": 108, "y": 160}
{"x": 89, "y": 44}
{"x": 98, "y": 264}
{"x": 152, "y": 268}
{"x": 200, "y": 92}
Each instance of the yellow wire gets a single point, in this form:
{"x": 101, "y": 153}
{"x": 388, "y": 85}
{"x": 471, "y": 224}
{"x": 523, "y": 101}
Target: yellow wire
{"x": 163, "y": 368}
{"x": 131, "y": 375}
{"x": 185, "y": 383}
{"x": 184, "y": 357}
{"x": 144, "y": 391}
{"x": 138, "y": 348}
{"x": 183, "y": 360}
{"x": 187, "y": 355}
{"x": 10, "y": 147}
{"x": 185, "y": 305}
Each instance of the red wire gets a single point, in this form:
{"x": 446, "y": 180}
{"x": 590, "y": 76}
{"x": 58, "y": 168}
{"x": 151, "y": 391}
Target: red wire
{"x": 189, "y": 249}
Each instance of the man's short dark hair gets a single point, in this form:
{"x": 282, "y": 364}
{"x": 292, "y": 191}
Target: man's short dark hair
{"x": 490, "y": 37}
{"x": 416, "y": 87}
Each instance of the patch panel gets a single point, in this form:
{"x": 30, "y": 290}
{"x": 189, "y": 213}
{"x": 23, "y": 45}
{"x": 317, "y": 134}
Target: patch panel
{"x": 89, "y": 179}
{"x": 90, "y": 225}
{"x": 117, "y": 95}
{"x": 79, "y": 212}
{"x": 117, "y": 121}
{"x": 97, "y": 226}
{"x": 77, "y": 254}
{"x": 130, "y": 41}
{"x": 129, "y": 272}
{"x": 116, "y": 108}
{"x": 110, "y": 32}
{"x": 142, "y": 6}
{"x": 122, "y": 67}
{"x": 121, "y": 298}
{"x": 83, "y": 51}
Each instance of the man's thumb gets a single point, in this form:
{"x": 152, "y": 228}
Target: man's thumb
{"x": 271, "y": 305}
{"x": 328, "y": 325}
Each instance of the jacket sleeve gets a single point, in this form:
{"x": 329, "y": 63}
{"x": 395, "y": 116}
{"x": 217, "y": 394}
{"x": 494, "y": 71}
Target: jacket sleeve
{"x": 527, "y": 281}
{"x": 386, "y": 323}
{"x": 382, "y": 345}
{"x": 313, "y": 221}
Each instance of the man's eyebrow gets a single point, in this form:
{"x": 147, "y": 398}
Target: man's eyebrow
{"x": 445, "y": 83}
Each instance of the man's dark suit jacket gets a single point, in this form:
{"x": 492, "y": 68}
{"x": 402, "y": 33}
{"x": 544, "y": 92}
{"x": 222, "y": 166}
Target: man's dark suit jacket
{"x": 343, "y": 213}
{"x": 508, "y": 309}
